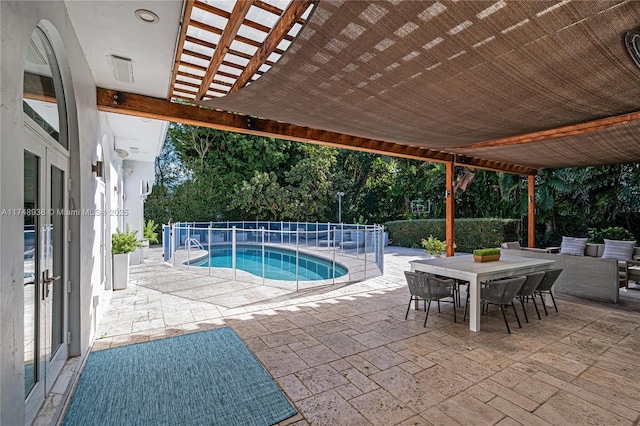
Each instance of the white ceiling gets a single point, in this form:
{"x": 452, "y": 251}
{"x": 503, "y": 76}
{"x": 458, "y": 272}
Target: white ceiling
{"x": 142, "y": 133}
{"x": 107, "y": 28}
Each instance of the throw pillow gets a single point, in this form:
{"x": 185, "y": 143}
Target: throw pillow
{"x": 573, "y": 246}
{"x": 619, "y": 250}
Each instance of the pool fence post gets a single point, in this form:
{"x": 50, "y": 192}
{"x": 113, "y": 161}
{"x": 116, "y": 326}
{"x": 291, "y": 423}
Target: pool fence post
{"x": 381, "y": 252}
{"x": 188, "y": 246}
{"x": 233, "y": 253}
{"x": 281, "y": 232}
{"x": 263, "y": 255}
{"x": 172, "y": 242}
{"x": 334, "y": 255}
{"x": 328, "y": 234}
{"x": 209, "y": 246}
{"x": 365, "y": 251}
{"x": 357, "y": 241}
{"x": 297, "y": 256}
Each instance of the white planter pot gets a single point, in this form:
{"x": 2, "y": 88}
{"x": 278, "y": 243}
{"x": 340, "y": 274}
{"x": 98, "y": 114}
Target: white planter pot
{"x": 135, "y": 257}
{"x": 120, "y": 271}
{"x": 145, "y": 249}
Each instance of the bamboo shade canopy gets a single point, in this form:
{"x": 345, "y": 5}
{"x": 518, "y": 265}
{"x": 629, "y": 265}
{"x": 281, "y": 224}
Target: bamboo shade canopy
{"x": 467, "y": 78}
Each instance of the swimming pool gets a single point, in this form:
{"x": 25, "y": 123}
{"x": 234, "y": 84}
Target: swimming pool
{"x": 279, "y": 264}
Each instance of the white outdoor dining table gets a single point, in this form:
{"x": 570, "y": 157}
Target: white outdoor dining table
{"x": 463, "y": 267}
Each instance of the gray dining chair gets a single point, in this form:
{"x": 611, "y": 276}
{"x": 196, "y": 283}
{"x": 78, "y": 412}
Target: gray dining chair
{"x": 501, "y": 293}
{"x": 545, "y": 286}
{"x": 428, "y": 288}
{"x": 528, "y": 290}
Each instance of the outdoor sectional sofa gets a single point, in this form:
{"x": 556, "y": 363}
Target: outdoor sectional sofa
{"x": 589, "y": 276}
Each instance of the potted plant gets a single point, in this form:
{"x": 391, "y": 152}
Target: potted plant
{"x": 149, "y": 236}
{"x": 122, "y": 244}
{"x": 433, "y": 246}
{"x": 486, "y": 255}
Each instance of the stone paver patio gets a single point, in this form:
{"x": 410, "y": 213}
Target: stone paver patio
{"x": 344, "y": 354}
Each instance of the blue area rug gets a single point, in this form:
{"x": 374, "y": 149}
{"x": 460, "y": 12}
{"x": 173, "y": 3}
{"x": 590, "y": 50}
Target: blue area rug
{"x": 205, "y": 378}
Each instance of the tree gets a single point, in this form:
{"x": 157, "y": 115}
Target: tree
{"x": 170, "y": 173}
{"x": 310, "y": 184}
{"x": 261, "y": 197}
{"x": 211, "y": 175}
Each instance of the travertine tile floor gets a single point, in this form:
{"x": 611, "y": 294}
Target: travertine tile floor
{"x": 344, "y": 355}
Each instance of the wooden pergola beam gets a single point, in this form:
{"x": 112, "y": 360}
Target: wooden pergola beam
{"x": 558, "y": 132}
{"x": 236, "y": 18}
{"x": 161, "y": 109}
{"x": 183, "y": 34}
{"x": 288, "y": 19}
{"x": 224, "y": 14}
{"x": 273, "y": 9}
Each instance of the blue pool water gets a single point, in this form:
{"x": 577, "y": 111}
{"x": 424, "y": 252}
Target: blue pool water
{"x": 279, "y": 264}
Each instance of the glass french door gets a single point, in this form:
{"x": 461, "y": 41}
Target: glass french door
{"x": 45, "y": 264}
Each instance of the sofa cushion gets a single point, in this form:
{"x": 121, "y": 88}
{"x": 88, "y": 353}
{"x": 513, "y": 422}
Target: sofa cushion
{"x": 513, "y": 245}
{"x": 619, "y": 250}
{"x": 573, "y": 246}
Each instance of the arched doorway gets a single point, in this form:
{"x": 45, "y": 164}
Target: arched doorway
{"x": 46, "y": 250}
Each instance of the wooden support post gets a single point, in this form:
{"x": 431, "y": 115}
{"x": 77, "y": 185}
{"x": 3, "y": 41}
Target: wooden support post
{"x": 531, "y": 226}
{"x": 450, "y": 209}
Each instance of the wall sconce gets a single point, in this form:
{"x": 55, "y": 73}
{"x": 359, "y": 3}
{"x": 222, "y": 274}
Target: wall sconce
{"x": 122, "y": 153}
{"x": 97, "y": 168}
{"x": 128, "y": 171}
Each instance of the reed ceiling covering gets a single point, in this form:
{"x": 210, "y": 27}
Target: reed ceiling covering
{"x": 462, "y": 78}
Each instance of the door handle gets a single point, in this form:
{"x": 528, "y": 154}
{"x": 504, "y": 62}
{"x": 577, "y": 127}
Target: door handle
{"x": 46, "y": 281}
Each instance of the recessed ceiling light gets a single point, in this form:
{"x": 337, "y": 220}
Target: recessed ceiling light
{"x": 147, "y": 16}
{"x": 632, "y": 41}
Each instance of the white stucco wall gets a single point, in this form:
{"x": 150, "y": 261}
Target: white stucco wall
{"x": 87, "y": 129}
{"x": 139, "y": 172}
{"x": 133, "y": 203}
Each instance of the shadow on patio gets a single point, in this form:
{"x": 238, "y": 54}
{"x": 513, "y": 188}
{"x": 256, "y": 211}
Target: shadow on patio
{"x": 344, "y": 354}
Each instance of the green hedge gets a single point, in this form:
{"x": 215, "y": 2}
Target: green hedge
{"x": 471, "y": 234}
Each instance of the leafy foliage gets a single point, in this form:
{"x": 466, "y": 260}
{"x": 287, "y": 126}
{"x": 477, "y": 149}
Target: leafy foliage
{"x": 211, "y": 175}
{"x": 612, "y": 233}
{"x": 149, "y": 231}
{"x": 124, "y": 241}
{"x": 433, "y": 246}
{"x": 486, "y": 252}
{"x": 470, "y": 234}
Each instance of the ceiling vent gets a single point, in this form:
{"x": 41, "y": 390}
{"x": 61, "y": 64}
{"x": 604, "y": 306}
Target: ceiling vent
{"x": 632, "y": 41}
{"x": 122, "y": 69}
